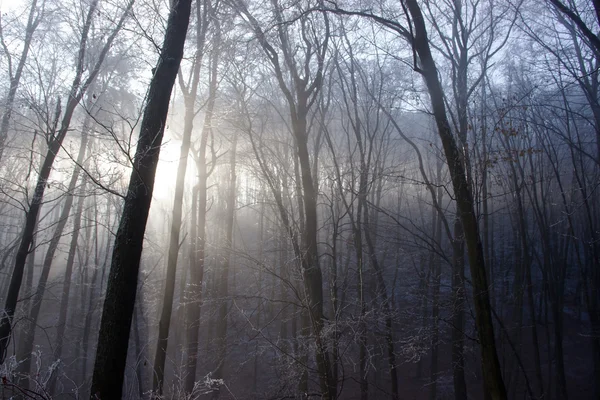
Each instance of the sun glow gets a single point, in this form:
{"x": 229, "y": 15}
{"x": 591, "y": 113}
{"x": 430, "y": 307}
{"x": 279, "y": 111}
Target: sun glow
{"x": 166, "y": 172}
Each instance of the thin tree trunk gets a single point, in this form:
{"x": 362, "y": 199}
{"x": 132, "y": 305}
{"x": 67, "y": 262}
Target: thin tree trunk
{"x": 527, "y": 265}
{"x": 423, "y": 292}
{"x": 299, "y": 103}
{"x": 191, "y": 301}
{"x": 335, "y": 306}
{"x": 197, "y": 269}
{"x": 358, "y": 248}
{"x": 387, "y": 308}
{"x": 561, "y": 386}
{"x": 91, "y": 306}
{"x": 261, "y": 260}
{"x": 224, "y": 278}
{"x": 174, "y": 246}
{"x": 436, "y": 274}
{"x": 64, "y": 300}
{"x": 190, "y": 94}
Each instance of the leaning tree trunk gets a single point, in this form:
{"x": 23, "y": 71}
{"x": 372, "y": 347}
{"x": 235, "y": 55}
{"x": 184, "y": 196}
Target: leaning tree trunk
{"x": 492, "y": 374}
{"x": 115, "y": 326}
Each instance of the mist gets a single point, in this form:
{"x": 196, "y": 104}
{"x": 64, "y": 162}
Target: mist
{"x": 299, "y": 200}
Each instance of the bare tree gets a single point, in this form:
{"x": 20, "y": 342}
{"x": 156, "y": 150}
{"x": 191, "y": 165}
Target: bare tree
{"x": 55, "y": 139}
{"x": 464, "y": 198}
{"x": 199, "y": 211}
{"x": 300, "y": 97}
{"x": 36, "y": 14}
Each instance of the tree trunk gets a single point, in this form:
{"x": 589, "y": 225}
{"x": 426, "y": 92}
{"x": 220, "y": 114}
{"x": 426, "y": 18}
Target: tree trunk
{"x": 313, "y": 278}
{"x": 190, "y": 94}
{"x": 458, "y": 313}
{"x": 436, "y": 275}
{"x": 299, "y": 103}
{"x": 197, "y": 265}
{"x": 483, "y": 315}
{"x": 174, "y": 246}
{"x": 224, "y": 278}
{"x": 111, "y": 354}
{"x": 91, "y": 306}
{"x": 64, "y": 300}
{"x": 139, "y": 349}
{"x": 261, "y": 260}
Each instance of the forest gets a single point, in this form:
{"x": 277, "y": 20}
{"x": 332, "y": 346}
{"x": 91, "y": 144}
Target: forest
{"x": 300, "y": 199}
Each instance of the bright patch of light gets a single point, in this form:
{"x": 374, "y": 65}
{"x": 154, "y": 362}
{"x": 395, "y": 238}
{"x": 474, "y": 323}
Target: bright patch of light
{"x": 9, "y": 5}
{"x": 166, "y": 172}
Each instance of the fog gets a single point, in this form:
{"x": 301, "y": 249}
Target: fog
{"x": 299, "y": 200}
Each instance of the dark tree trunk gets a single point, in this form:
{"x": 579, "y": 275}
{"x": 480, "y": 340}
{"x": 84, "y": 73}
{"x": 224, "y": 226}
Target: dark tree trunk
{"x": 115, "y": 326}
{"x": 140, "y": 345}
{"x": 483, "y": 315}
{"x": 458, "y": 313}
